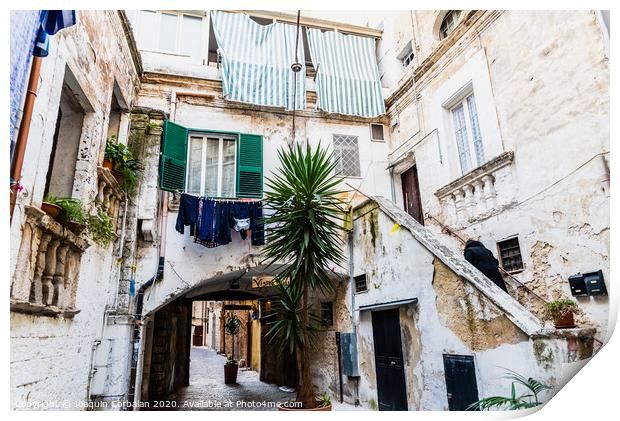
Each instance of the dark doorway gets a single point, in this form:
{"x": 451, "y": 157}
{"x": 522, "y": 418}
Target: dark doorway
{"x": 197, "y": 339}
{"x": 460, "y": 381}
{"x": 391, "y": 389}
{"x": 411, "y": 194}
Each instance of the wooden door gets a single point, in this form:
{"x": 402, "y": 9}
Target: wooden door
{"x": 460, "y": 381}
{"x": 411, "y": 194}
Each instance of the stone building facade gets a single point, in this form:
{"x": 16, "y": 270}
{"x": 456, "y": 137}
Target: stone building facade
{"x": 487, "y": 135}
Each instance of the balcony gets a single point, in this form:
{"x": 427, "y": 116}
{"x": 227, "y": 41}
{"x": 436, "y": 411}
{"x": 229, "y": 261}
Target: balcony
{"x": 479, "y": 194}
{"x": 47, "y": 271}
{"x": 109, "y": 193}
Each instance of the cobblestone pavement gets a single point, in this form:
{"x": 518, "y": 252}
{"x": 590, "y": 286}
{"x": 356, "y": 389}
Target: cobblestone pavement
{"x": 207, "y": 390}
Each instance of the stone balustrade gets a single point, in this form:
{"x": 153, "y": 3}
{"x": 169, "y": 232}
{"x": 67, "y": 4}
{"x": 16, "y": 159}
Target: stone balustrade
{"x": 476, "y": 195}
{"x": 109, "y": 193}
{"x": 47, "y": 270}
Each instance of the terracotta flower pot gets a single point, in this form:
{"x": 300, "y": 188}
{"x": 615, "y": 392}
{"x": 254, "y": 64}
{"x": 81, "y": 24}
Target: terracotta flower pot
{"x": 230, "y": 373}
{"x": 324, "y": 408}
{"x": 564, "y": 321}
{"x": 108, "y": 164}
{"x": 50, "y": 209}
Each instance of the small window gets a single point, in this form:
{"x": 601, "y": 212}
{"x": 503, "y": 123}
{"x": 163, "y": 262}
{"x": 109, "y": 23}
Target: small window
{"x": 360, "y": 283}
{"x": 510, "y": 255}
{"x": 346, "y": 153}
{"x": 211, "y": 169}
{"x": 327, "y": 314}
{"x": 376, "y": 132}
{"x": 449, "y": 22}
{"x": 467, "y": 133}
{"x": 406, "y": 55}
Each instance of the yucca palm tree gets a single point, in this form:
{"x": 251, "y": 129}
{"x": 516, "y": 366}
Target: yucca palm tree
{"x": 529, "y": 399}
{"x": 304, "y": 234}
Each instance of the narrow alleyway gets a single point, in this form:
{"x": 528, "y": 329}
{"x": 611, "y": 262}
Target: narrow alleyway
{"x": 207, "y": 390}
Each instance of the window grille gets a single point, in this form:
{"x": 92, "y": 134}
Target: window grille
{"x": 327, "y": 314}
{"x": 346, "y": 154}
{"x": 360, "y": 283}
{"x": 510, "y": 255}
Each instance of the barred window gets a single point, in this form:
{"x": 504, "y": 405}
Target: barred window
{"x": 360, "y": 283}
{"x": 327, "y": 314}
{"x": 347, "y": 156}
{"x": 510, "y": 255}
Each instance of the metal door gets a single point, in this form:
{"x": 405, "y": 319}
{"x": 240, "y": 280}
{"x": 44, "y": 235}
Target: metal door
{"x": 391, "y": 389}
{"x": 460, "y": 381}
{"x": 411, "y": 194}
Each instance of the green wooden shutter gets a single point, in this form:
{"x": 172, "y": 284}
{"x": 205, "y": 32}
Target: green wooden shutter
{"x": 250, "y": 166}
{"x": 173, "y": 157}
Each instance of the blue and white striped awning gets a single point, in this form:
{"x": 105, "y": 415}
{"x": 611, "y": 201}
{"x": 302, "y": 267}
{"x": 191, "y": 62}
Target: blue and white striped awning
{"x": 347, "y": 79}
{"x": 256, "y": 61}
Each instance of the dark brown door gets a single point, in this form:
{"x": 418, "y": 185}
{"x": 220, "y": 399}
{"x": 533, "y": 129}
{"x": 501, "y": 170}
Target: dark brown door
{"x": 460, "y": 381}
{"x": 411, "y": 194}
{"x": 197, "y": 340}
{"x": 391, "y": 389}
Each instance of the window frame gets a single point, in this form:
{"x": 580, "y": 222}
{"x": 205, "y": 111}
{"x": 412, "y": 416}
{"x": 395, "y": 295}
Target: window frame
{"x": 220, "y": 163}
{"x": 327, "y": 308}
{"x": 178, "y": 32}
{"x": 501, "y": 259}
{"x": 338, "y": 156}
{"x": 475, "y": 149}
{"x": 357, "y": 281}
{"x": 455, "y": 23}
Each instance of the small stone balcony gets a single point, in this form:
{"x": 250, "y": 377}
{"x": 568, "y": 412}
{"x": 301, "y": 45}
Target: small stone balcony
{"x": 109, "y": 193}
{"x": 47, "y": 270}
{"x": 480, "y": 193}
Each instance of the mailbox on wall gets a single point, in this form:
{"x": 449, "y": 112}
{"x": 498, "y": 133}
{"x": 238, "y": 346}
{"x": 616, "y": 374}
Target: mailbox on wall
{"x": 587, "y": 284}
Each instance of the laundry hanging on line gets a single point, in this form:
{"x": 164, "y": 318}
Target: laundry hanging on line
{"x": 211, "y": 220}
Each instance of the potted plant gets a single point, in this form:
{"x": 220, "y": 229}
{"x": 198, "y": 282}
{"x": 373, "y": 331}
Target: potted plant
{"x": 323, "y": 402}
{"x": 50, "y": 207}
{"x": 72, "y": 214}
{"x": 124, "y": 166}
{"x": 232, "y": 325}
{"x": 304, "y": 232}
{"x": 101, "y": 228}
{"x": 561, "y": 312}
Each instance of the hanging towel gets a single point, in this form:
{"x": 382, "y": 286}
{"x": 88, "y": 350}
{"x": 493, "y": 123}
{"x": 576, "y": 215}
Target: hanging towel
{"x": 256, "y": 61}
{"x": 347, "y": 80}
{"x": 241, "y": 218}
{"x": 257, "y": 224}
{"x": 188, "y": 213}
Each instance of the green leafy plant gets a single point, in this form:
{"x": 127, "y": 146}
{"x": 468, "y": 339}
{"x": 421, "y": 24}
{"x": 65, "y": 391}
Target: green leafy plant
{"x": 305, "y": 233}
{"x": 232, "y": 326}
{"x": 71, "y": 209}
{"x": 230, "y": 360}
{"x": 560, "y": 308}
{"x": 123, "y": 163}
{"x": 101, "y": 228}
{"x": 323, "y": 400}
{"x": 528, "y": 399}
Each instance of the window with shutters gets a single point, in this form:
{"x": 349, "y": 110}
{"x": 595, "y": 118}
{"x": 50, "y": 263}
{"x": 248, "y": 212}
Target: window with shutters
{"x": 211, "y": 165}
{"x": 347, "y": 155}
{"x": 467, "y": 133}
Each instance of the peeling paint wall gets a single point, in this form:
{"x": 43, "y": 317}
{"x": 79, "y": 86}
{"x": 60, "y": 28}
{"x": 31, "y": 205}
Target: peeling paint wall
{"x": 52, "y": 357}
{"x": 449, "y": 317}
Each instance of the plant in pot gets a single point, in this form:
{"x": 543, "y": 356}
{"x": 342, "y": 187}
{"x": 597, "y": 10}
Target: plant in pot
{"x": 324, "y": 402}
{"x": 232, "y": 326}
{"x": 50, "y": 207}
{"x": 305, "y": 233}
{"x": 72, "y": 214}
{"x": 124, "y": 166}
{"x": 101, "y": 228}
{"x": 562, "y": 313}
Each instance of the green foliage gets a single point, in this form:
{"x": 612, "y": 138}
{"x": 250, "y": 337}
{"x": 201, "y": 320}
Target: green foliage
{"x": 304, "y": 229}
{"x": 528, "y": 399}
{"x": 373, "y": 404}
{"x": 101, "y": 228}
{"x": 232, "y": 324}
{"x": 123, "y": 162}
{"x": 286, "y": 321}
{"x": 71, "y": 209}
{"x": 323, "y": 400}
{"x": 231, "y": 361}
{"x": 559, "y": 308}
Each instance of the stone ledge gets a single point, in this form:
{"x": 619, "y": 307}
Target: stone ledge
{"x": 106, "y": 176}
{"x": 46, "y": 223}
{"x": 572, "y": 333}
{"x": 25, "y": 307}
{"x": 489, "y": 167}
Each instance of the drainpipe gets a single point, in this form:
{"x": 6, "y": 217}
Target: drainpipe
{"x": 24, "y": 130}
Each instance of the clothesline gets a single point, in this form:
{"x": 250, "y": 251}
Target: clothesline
{"x": 211, "y": 220}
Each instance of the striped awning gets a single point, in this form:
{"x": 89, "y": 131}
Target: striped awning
{"x": 347, "y": 79}
{"x": 256, "y": 61}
